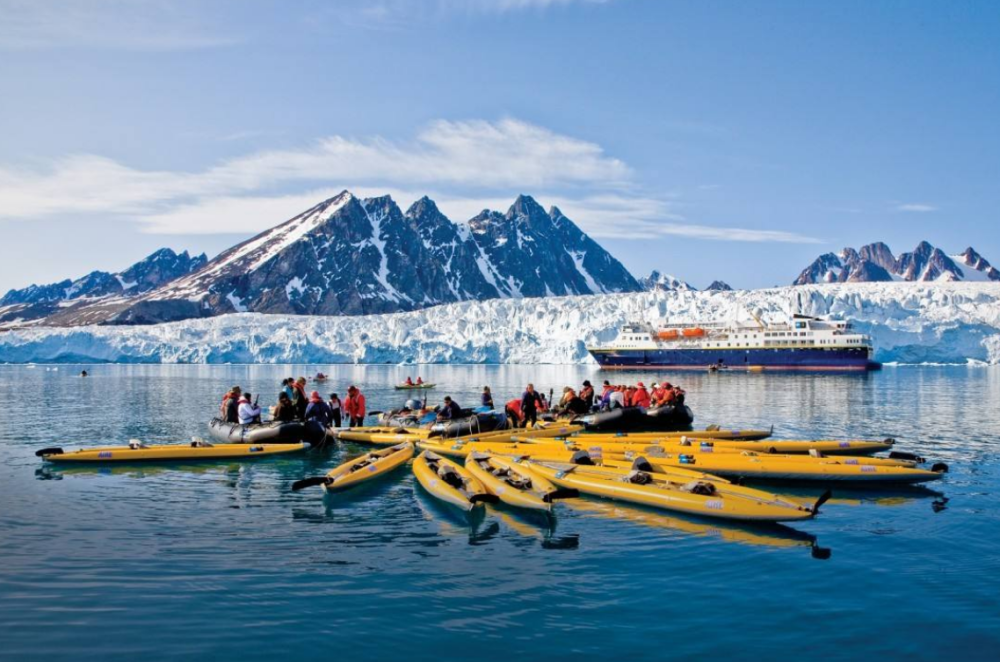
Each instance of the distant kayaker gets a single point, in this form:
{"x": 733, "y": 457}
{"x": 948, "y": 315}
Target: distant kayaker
{"x": 530, "y": 404}
{"x": 335, "y": 409}
{"x": 249, "y": 412}
{"x": 409, "y": 381}
{"x": 83, "y": 373}
{"x": 229, "y": 411}
{"x": 450, "y": 411}
{"x": 284, "y": 411}
{"x": 420, "y": 380}
{"x": 354, "y": 406}
{"x": 318, "y": 410}
{"x": 487, "y": 397}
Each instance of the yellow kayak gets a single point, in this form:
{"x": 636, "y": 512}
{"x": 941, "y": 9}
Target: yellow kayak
{"x": 514, "y": 483}
{"x": 712, "y": 433}
{"x": 783, "y": 446}
{"x": 365, "y": 435}
{"x": 413, "y": 387}
{"x": 712, "y": 448}
{"x": 788, "y": 467}
{"x": 693, "y": 497}
{"x": 450, "y": 482}
{"x": 360, "y": 469}
{"x": 197, "y": 450}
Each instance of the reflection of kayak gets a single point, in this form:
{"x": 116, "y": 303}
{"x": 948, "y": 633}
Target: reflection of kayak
{"x": 273, "y": 432}
{"x": 450, "y": 482}
{"x": 137, "y": 452}
{"x": 692, "y": 497}
{"x": 776, "y": 535}
{"x": 515, "y": 484}
{"x": 413, "y": 387}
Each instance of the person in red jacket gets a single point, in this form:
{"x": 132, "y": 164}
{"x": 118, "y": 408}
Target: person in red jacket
{"x": 354, "y": 407}
{"x": 640, "y": 398}
{"x": 513, "y": 409}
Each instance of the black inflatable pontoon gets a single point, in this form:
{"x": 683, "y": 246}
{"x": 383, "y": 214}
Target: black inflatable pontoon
{"x": 637, "y": 419}
{"x": 267, "y": 433}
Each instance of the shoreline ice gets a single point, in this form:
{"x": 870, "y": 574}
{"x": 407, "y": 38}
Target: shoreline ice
{"x": 911, "y": 323}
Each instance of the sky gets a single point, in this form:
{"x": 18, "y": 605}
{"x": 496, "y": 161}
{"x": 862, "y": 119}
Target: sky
{"x": 710, "y": 140}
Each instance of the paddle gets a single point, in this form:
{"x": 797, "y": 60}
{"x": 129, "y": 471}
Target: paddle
{"x": 48, "y": 451}
{"x": 375, "y": 413}
{"x": 561, "y": 493}
{"x": 823, "y": 498}
{"x": 311, "y": 482}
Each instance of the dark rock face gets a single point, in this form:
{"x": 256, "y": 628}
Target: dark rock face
{"x": 98, "y": 287}
{"x": 719, "y": 286}
{"x": 875, "y": 262}
{"x": 348, "y": 256}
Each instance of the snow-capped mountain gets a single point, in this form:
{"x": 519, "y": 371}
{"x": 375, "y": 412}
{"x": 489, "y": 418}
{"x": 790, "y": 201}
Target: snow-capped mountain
{"x": 876, "y": 263}
{"x": 37, "y": 301}
{"x": 908, "y": 323}
{"x": 656, "y": 281}
{"x": 352, "y": 256}
{"x": 719, "y": 286}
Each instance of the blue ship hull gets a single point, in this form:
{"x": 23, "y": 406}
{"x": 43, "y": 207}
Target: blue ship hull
{"x": 852, "y": 358}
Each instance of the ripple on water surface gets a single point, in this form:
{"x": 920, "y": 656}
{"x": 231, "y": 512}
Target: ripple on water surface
{"x": 223, "y": 560}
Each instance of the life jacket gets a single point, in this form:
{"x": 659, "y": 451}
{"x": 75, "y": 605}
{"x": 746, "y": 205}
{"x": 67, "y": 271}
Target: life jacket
{"x": 640, "y": 398}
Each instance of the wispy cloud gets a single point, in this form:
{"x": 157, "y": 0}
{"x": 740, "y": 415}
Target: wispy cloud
{"x": 915, "y": 207}
{"x": 465, "y": 166}
{"x": 152, "y": 25}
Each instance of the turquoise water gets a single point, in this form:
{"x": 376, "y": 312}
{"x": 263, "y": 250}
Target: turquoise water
{"x": 223, "y": 561}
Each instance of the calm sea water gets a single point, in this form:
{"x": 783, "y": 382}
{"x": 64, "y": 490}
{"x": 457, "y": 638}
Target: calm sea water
{"x": 223, "y": 561}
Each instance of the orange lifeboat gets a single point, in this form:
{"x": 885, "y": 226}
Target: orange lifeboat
{"x": 667, "y": 334}
{"x": 694, "y": 333}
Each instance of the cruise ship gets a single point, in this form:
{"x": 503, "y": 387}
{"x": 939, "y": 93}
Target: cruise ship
{"x": 801, "y": 343}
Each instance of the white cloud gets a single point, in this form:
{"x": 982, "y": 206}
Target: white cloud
{"x": 152, "y": 25}
{"x": 481, "y": 154}
{"x": 453, "y": 162}
{"x": 916, "y": 207}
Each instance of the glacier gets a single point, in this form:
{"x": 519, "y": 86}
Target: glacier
{"x": 908, "y": 322}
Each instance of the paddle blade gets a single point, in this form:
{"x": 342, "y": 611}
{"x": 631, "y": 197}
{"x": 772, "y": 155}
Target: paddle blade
{"x": 561, "y": 493}
{"x": 48, "y": 451}
{"x": 823, "y": 498}
{"x": 309, "y": 482}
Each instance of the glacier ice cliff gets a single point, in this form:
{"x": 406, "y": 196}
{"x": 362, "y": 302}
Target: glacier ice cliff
{"x": 909, "y": 323}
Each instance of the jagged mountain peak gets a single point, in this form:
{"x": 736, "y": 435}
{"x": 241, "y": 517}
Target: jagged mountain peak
{"x": 348, "y": 256}
{"x": 876, "y": 262}
{"x": 664, "y": 282}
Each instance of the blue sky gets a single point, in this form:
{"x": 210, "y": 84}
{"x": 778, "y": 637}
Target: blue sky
{"x": 732, "y": 140}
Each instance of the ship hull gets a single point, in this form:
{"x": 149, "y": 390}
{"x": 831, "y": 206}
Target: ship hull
{"x": 853, "y": 358}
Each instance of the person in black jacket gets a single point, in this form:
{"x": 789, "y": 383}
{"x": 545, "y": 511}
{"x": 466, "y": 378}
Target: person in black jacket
{"x": 450, "y": 411}
{"x": 285, "y": 410}
{"x": 530, "y": 403}
{"x": 231, "y": 405}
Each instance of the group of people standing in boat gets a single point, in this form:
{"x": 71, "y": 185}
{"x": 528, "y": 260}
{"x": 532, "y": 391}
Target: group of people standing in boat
{"x": 294, "y": 404}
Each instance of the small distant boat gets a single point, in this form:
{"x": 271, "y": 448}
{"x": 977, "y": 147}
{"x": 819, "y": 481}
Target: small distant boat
{"x": 320, "y": 377}
{"x": 414, "y": 387}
